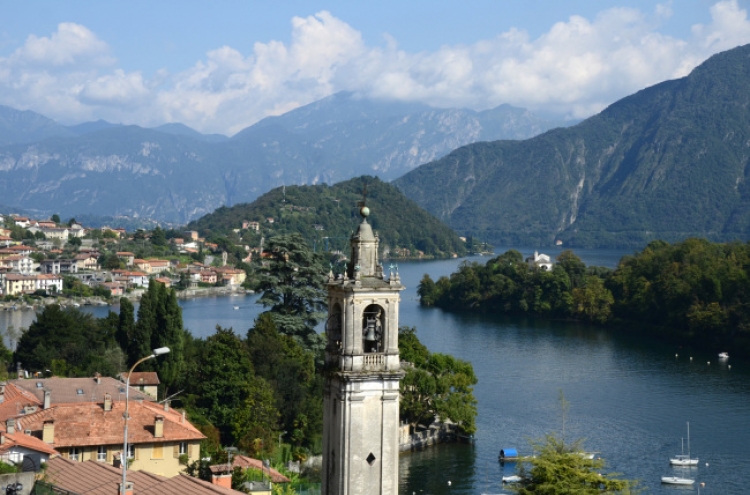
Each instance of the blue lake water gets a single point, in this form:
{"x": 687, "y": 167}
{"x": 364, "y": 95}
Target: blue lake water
{"x": 630, "y": 398}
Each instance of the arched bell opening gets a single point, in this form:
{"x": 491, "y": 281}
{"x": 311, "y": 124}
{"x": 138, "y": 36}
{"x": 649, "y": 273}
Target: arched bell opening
{"x": 373, "y": 328}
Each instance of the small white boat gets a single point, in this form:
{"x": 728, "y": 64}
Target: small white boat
{"x": 684, "y": 459}
{"x": 236, "y": 307}
{"x": 676, "y": 480}
{"x": 513, "y": 478}
{"x": 723, "y": 355}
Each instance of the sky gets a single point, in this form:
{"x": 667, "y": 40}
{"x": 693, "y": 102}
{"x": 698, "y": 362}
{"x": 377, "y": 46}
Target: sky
{"x": 220, "y": 66}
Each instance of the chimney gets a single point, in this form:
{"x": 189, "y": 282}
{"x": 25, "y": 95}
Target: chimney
{"x": 19, "y": 371}
{"x": 10, "y": 426}
{"x": 48, "y": 431}
{"x": 107, "y": 402}
{"x": 224, "y": 480}
{"x": 47, "y": 399}
{"x": 128, "y": 488}
{"x": 2, "y": 392}
{"x": 159, "y": 427}
{"x": 2, "y": 439}
{"x": 166, "y": 405}
{"x": 183, "y": 417}
{"x": 98, "y": 378}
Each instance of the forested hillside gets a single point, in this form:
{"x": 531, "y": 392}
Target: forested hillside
{"x": 327, "y": 215}
{"x": 668, "y": 162}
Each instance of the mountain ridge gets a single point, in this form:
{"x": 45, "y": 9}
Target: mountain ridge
{"x": 669, "y": 161}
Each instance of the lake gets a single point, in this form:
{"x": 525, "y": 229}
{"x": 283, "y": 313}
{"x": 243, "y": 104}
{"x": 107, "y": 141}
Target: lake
{"x": 629, "y": 398}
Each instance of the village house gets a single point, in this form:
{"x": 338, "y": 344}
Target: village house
{"x": 58, "y": 266}
{"x": 22, "y": 222}
{"x": 87, "y": 261}
{"x": 16, "y": 284}
{"x": 61, "y": 233}
{"x": 142, "y": 265}
{"x": 127, "y": 257}
{"x": 94, "y": 478}
{"x": 145, "y": 381}
{"x": 231, "y": 276}
{"x": 19, "y": 264}
{"x": 540, "y": 261}
{"x": 82, "y": 419}
{"x": 191, "y": 234}
{"x": 116, "y": 289}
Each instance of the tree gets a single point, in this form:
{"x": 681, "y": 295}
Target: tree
{"x": 437, "y": 385}
{"x": 125, "y": 323}
{"x": 256, "y": 421}
{"x": 557, "y": 468}
{"x": 158, "y": 238}
{"x": 292, "y": 280}
{"x": 168, "y": 332}
{"x": 55, "y": 218}
{"x": 224, "y": 380}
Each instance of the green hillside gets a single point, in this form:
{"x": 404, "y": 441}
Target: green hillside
{"x": 668, "y": 162}
{"x": 327, "y": 215}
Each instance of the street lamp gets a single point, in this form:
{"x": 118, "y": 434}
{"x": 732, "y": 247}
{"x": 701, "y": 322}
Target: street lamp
{"x": 124, "y": 455}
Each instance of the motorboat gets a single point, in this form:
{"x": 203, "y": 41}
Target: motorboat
{"x": 513, "y": 478}
{"x": 676, "y": 480}
{"x": 723, "y": 355}
{"x": 684, "y": 459}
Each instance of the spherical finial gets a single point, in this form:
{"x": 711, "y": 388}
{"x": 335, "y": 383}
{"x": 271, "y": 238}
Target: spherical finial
{"x": 364, "y": 211}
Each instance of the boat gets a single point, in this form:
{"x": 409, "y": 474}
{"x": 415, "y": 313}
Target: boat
{"x": 676, "y": 480}
{"x": 684, "y": 459}
{"x": 723, "y": 355}
{"x": 236, "y": 307}
{"x": 513, "y": 478}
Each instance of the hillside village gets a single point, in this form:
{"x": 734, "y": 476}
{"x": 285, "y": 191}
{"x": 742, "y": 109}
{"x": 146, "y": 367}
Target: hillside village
{"x": 46, "y": 258}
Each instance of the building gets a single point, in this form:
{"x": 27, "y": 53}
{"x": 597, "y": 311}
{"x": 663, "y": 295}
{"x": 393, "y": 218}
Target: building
{"x": 540, "y": 261}
{"x": 97, "y": 478}
{"x": 127, "y": 257}
{"x": 16, "y": 445}
{"x": 361, "y": 398}
{"x": 145, "y": 381}
{"x": 160, "y": 439}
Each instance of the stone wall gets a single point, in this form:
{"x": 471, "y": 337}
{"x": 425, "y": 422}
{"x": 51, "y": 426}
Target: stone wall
{"x": 423, "y": 438}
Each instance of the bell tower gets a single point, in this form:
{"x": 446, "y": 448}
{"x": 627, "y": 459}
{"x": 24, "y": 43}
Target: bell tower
{"x": 360, "y": 405}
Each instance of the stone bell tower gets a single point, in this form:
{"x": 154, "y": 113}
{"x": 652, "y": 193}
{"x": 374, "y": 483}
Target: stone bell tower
{"x": 360, "y": 405}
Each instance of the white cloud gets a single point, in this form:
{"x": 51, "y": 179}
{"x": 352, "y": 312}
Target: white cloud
{"x": 576, "y": 68}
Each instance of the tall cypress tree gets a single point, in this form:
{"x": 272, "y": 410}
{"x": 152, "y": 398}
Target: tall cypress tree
{"x": 140, "y": 344}
{"x": 168, "y": 333}
{"x": 125, "y": 324}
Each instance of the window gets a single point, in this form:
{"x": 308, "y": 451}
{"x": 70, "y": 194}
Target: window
{"x": 131, "y": 451}
{"x": 101, "y": 454}
{"x": 75, "y": 453}
{"x": 183, "y": 448}
{"x": 157, "y": 451}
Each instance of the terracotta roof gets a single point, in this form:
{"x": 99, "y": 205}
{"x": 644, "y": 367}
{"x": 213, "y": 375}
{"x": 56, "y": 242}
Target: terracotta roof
{"x": 83, "y": 424}
{"x": 98, "y": 478}
{"x": 142, "y": 378}
{"x": 15, "y": 400}
{"x": 245, "y": 462}
{"x": 67, "y": 390}
{"x": 26, "y": 441}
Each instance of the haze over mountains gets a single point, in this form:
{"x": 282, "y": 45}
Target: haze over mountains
{"x": 668, "y": 162}
{"x": 176, "y": 174}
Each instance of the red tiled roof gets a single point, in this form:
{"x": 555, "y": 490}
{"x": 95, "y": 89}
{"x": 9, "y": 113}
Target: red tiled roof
{"x": 98, "y": 478}
{"x": 89, "y": 424}
{"x": 142, "y": 378}
{"x": 69, "y": 390}
{"x": 18, "y": 439}
{"x": 245, "y": 462}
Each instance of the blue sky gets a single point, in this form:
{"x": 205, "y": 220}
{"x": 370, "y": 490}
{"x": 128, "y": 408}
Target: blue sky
{"x": 223, "y": 65}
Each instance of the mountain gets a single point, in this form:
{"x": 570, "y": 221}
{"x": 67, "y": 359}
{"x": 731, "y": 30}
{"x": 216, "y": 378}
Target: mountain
{"x": 18, "y": 126}
{"x": 327, "y": 215}
{"x": 670, "y": 162}
{"x": 183, "y": 130}
{"x": 175, "y": 174}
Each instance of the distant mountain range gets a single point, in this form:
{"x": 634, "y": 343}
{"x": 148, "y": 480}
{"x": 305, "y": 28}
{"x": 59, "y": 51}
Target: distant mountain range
{"x": 669, "y": 162}
{"x": 176, "y": 174}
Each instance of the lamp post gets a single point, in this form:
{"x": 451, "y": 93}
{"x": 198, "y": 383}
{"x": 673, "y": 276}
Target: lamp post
{"x": 124, "y": 455}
